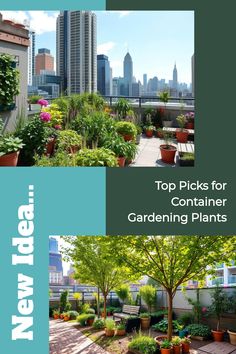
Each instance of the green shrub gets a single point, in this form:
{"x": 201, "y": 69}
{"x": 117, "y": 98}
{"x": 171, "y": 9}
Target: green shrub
{"x": 120, "y": 326}
{"x": 9, "y": 81}
{"x": 166, "y": 344}
{"x": 68, "y": 139}
{"x": 100, "y": 157}
{"x": 60, "y": 159}
{"x": 82, "y": 319}
{"x": 73, "y": 315}
{"x": 90, "y": 311}
{"x": 85, "y": 308}
{"x": 110, "y": 324}
{"x": 199, "y": 330}
{"x": 34, "y": 137}
{"x": 122, "y": 108}
{"x": 186, "y": 319}
{"x": 10, "y": 144}
{"x": 99, "y": 324}
{"x": 123, "y": 292}
{"x": 126, "y": 128}
{"x": 148, "y": 294}
{"x": 143, "y": 344}
{"x": 144, "y": 315}
{"x": 162, "y": 326}
{"x": 64, "y": 303}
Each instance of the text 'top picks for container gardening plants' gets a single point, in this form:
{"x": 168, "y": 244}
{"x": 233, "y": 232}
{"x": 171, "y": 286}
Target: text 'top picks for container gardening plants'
{"x": 168, "y": 151}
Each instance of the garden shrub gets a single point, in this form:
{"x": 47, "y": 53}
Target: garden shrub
{"x": 99, "y": 324}
{"x": 64, "y": 303}
{"x": 148, "y": 294}
{"x": 143, "y": 344}
{"x": 199, "y": 330}
{"x": 162, "y": 326}
{"x": 72, "y": 314}
{"x": 100, "y": 157}
{"x": 9, "y": 81}
{"x": 60, "y": 159}
{"x": 126, "y": 128}
{"x": 90, "y": 310}
{"x": 68, "y": 139}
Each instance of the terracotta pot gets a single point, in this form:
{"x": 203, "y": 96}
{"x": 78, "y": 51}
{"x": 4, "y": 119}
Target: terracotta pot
{"x": 120, "y": 332}
{"x": 61, "y": 316}
{"x": 103, "y": 314}
{"x": 176, "y": 349}
{"x": 182, "y": 136}
{"x": 159, "y": 339}
{"x": 232, "y": 337}
{"x": 190, "y": 125}
{"x": 9, "y": 159}
{"x": 90, "y": 321}
{"x": 168, "y": 155}
{"x": 66, "y": 318}
{"x": 128, "y": 137}
{"x": 121, "y": 161}
{"x": 50, "y": 146}
{"x": 145, "y": 323}
{"x": 149, "y": 133}
{"x": 160, "y": 135}
{"x": 109, "y": 332}
{"x": 218, "y": 335}
{"x": 185, "y": 348}
{"x": 165, "y": 351}
{"x": 56, "y": 317}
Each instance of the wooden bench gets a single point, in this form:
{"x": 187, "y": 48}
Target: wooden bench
{"x": 127, "y": 311}
{"x": 173, "y": 130}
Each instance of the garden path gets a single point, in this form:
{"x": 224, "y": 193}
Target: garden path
{"x": 65, "y": 338}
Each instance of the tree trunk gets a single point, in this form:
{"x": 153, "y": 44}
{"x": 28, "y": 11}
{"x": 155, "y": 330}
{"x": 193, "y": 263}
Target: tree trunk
{"x": 105, "y": 306}
{"x": 98, "y": 303}
{"x": 170, "y": 308}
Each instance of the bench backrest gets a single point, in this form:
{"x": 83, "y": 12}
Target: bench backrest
{"x": 131, "y": 310}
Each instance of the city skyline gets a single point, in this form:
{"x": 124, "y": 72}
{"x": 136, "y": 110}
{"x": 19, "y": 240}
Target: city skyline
{"x": 170, "y": 31}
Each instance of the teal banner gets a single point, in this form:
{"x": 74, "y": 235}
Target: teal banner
{"x": 54, "y": 5}
{"x": 34, "y": 204}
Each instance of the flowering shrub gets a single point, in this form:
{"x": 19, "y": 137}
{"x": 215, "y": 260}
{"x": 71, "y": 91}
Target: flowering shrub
{"x": 56, "y": 116}
{"x": 43, "y": 102}
{"x": 190, "y": 116}
{"x": 45, "y": 116}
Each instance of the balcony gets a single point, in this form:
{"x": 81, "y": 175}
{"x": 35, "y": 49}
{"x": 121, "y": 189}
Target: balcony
{"x": 218, "y": 280}
{"x": 232, "y": 279}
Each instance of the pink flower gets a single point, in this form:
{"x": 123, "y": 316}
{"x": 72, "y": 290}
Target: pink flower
{"x": 45, "y": 116}
{"x": 43, "y": 102}
{"x": 57, "y": 126}
{"x": 204, "y": 309}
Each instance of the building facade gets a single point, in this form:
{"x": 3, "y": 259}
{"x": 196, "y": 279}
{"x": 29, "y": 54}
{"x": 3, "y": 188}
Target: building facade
{"x": 103, "y": 75}
{"x": 55, "y": 263}
{"x": 225, "y": 275}
{"x": 175, "y": 78}
{"x": 128, "y": 74}
{"x": 77, "y": 51}
{"x": 43, "y": 61}
{"x": 31, "y": 57}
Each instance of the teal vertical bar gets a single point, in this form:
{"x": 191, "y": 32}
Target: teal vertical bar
{"x": 68, "y": 201}
{"x": 45, "y": 5}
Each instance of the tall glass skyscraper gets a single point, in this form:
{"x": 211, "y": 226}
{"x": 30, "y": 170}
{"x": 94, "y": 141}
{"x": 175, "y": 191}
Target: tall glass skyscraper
{"x": 77, "y": 51}
{"x": 175, "y": 78}
{"x": 128, "y": 74}
{"x": 103, "y": 75}
{"x": 55, "y": 263}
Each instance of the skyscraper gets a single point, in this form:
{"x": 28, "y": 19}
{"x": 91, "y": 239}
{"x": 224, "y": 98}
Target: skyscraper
{"x": 103, "y": 75}
{"x": 193, "y": 75}
{"x": 31, "y": 56}
{"x": 144, "y": 83}
{"x": 55, "y": 263}
{"x": 175, "y": 78}
{"x": 43, "y": 61}
{"x": 128, "y": 74}
{"x": 77, "y": 51}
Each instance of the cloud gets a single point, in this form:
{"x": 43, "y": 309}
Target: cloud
{"x": 104, "y": 48}
{"x": 40, "y": 21}
{"x": 123, "y": 13}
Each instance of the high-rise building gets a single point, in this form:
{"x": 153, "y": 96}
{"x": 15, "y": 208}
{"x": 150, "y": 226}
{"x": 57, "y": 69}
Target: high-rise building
{"x": 55, "y": 263}
{"x": 128, "y": 74}
{"x": 31, "y": 57}
{"x": 175, "y": 78}
{"x": 193, "y": 76}
{"x": 77, "y": 51}
{"x": 144, "y": 83}
{"x": 43, "y": 61}
{"x": 103, "y": 75}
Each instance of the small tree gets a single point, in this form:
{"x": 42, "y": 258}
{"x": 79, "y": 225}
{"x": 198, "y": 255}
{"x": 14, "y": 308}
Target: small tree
{"x": 219, "y": 305}
{"x": 77, "y": 297}
{"x": 64, "y": 303}
{"x": 123, "y": 292}
{"x": 148, "y": 294}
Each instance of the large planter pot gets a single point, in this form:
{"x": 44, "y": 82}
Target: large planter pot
{"x": 61, "y": 316}
{"x": 160, "y": 339}
{"x": 90, "y": 321}
{"x": 232, "y": 337}
{"x": 190, "y": 125}
{"x": 185, "y": 348}
{"x": 9, "y": 160}
{"x": 121, "y": 161}
{"x": 66, "y": 318}
{"x": 128, "y": 137}
{"x": 149, "y": 133}
{"x": 109, "y": 332}
{"x": 138, "y": 138}
{"x": 165, "y": 351}
{"x": 168, "y": 155}
{"x": 182, "y": 136}
{"x": 176, "y": 349}
{"x": 120, "y": 332}
{"x": 145, "y": 323}
{"x": 56, "y": 317}
{"x": 167, "y": 123}
{"x": 218, "y": 335}
{"x": 50, "y": 147}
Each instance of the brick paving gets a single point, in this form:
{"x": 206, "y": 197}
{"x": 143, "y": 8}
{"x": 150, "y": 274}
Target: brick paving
{"x": 219, "y": 348}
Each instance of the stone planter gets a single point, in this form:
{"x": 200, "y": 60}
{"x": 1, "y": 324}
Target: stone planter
{"x": 232, "y": 337}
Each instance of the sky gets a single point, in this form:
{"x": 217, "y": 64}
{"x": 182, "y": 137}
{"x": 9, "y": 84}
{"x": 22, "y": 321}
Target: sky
{"x": 156, "y": 40}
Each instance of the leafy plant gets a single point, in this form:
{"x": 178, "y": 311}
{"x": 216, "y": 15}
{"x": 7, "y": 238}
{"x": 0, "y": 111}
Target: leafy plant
{"x": 143, "y": 344}
{"x": 34, "y": 99}
{"x": 117, "y": 145}
{"x": 162, "y": 326}
{"x": 167, "y": 136}
{"x": 219, "y": 304}
{"x": 68, "y": 139}
{"x": 82, "y": 319}
{"x": 199, "y": 330}
{"x": 10, "y": 144}
{"x": 100, "y": 157}
{"x": 72, "y": 314}
{"x": 120, "y": 326}
{"x": 78, "y": 298}
{"x": 126, "y": 128}
{"x": 164, "y": 97}
{"x": 166, "y": 344}
{"x": 181, "y": 120}
{"x": 144, "y": 315}
{"x": 122, "y": 108}
{"x": 9, "y": 81}
{"x": 148, "y": 125}
{"x": 186, "y": 340}
{"x": 148, "y": 294}
{"x": 64, "y": 303}
{"x": 123, "y": 292}
{"x": 56, "y": 312}
{"x": 186, "y": 319}
{"x": 176, "y": 341}
{"x": 110, "y": 324}
{"x": 99, "y": 324}
{"x": 188, "y": 156}
{"x": 90, "y": 311}
{"x": 60, "y": 159}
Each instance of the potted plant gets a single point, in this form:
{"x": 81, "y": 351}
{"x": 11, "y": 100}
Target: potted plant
{"x": 131, "y": 150}
{"x": 127, "y": 130}
{"x": 186, "y": 159}
{"x": 219, "y": 305}
{"x": 160, "y": 133}
{"x": 9, "y": 150}
{"x": 56, "y": 314}
{"x": 69, "y": 141}
{"x": 149, "y": 127}
{"x": 166, "y": 120}
{"x": 82, "y": 319}
{"x": 198, "y": 331}
{"x": 232, "y": 336}
{"x": 145, "y": 319}
{"x": 176, "y": 345}
{"x": 100, "y": 157}
{"x": 120, "y": 329}
{"x": 66, "y": 316}
{"x": 181, "y": 134}
{"x": 166, "y": 347}
{"x": 90, "y": 319}
{"x": 9, "y": 82}
{"x": 33, "y": 103}
{"x": 119, "y": 147}
{"x": 190, "y": 120}
{"x": 142, "y": 345}
{"x": 122, "y": 107}
{"x": 139, "y": 134}
{"x": 168, "y": 151}
{"x": 110, "y": 326}
{"x": 185, "y": 345}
